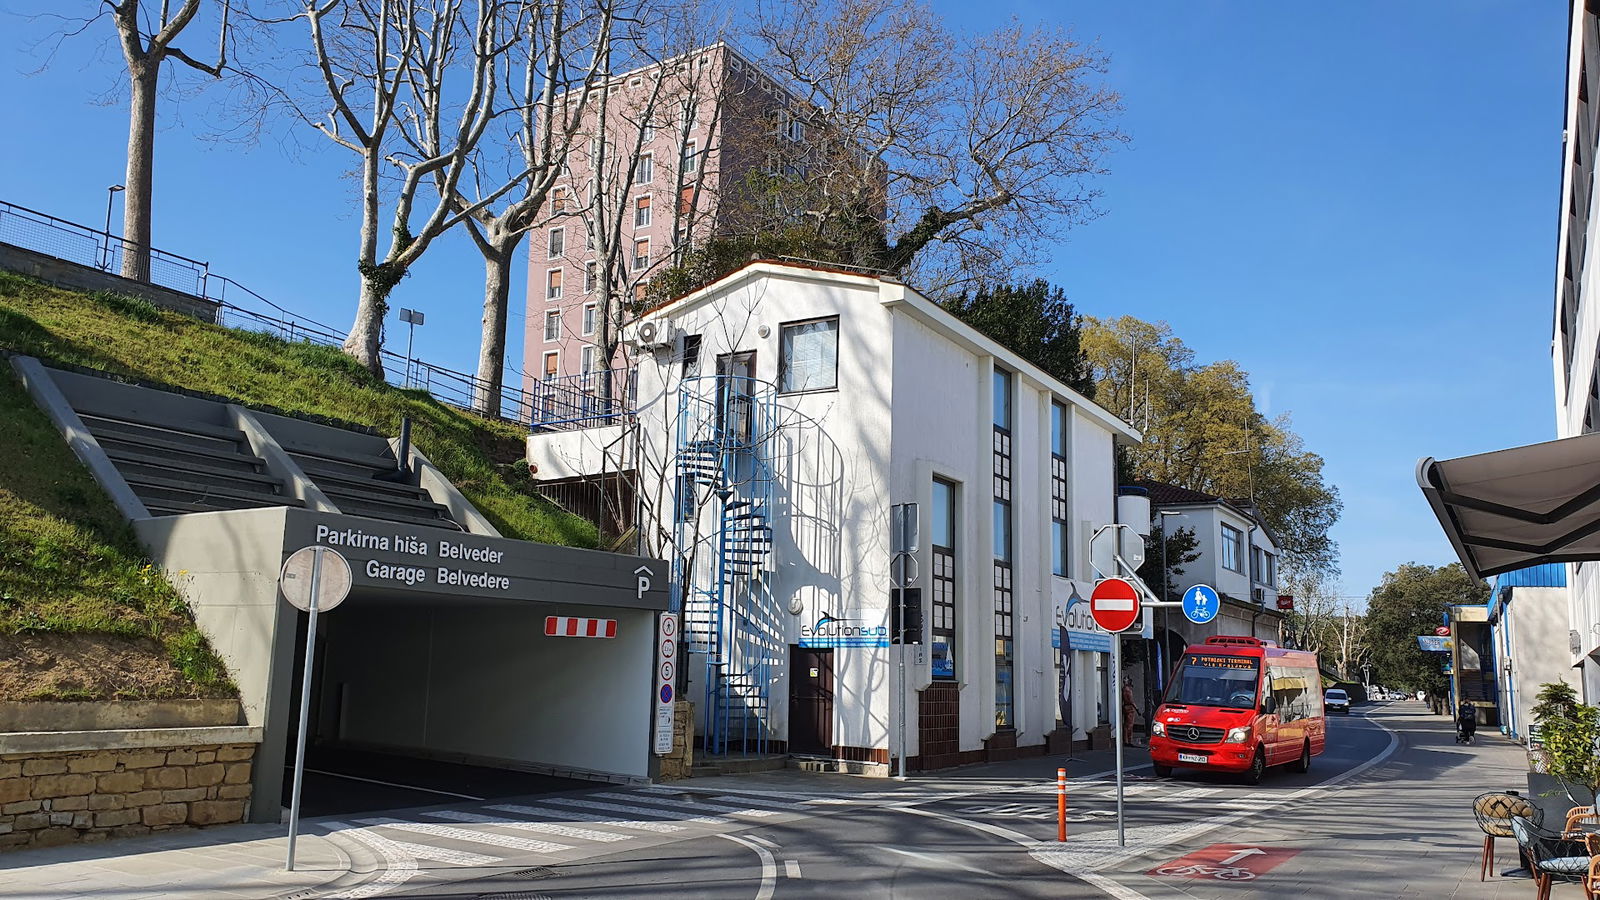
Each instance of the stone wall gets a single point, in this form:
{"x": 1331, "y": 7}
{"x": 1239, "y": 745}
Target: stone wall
{"x": 49, "y": 798}
{"x": 677, "y": 764}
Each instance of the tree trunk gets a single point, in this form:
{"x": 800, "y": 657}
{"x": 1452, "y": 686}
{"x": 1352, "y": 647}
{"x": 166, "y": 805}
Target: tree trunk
{"x": 366, "y": 333}
{"x": 141, "y": 170}
{"x": 492, "y": 345}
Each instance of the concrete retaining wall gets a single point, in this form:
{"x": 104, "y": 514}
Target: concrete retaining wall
{"x": 63, "y": 273}
{"x": 81, "y": 796}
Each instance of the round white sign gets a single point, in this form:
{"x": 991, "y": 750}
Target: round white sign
{"x": 333, "y": 580}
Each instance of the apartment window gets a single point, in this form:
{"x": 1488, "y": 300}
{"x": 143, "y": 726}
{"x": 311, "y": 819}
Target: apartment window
{"x": 647, "y": 132}
{"x": 686, "y": 114}
{"x": 1258, "y": 569}
{"x": 641, "y": 254}
{"x": 641, "y": 212}
{"x": 808, "y": 356}
{"x": 1004, "y": 699}
{"x": 587, "y": 358}
{"x": 1059, "y": 533}
{"x": 1232, "y": 543}
{"x": 552, "y": 325}
{"x": 691, "y": 157}
{"x": 557, "y": 243}
{"x": 942, "y": 608}
{"x": 552, "y": 284}
{"x": 591, "y": 277}
{"x": 552, "y": 365}
{"x": 691, "y": 355}
{"x": 591, "y": 314}
{"x": 588, "y": 240}
{"x": 686, "y": 201}
{"x": 644, "y": 169}
{"x": 558, "y": 199}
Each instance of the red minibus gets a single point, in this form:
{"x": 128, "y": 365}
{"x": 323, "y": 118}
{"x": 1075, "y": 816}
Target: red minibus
{"x": 1240, "y": 704}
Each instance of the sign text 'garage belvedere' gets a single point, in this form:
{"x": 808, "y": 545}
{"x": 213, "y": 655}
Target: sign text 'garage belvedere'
{"x": 430, "y": 554}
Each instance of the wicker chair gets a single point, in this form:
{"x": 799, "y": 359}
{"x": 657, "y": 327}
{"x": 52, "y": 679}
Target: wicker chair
{"x": 1494, "y": 811}
{"x": 1581, "y": 820}
{"x": 1552, "y": 857}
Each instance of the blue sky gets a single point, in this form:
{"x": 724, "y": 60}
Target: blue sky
{"x": 1356, "y": 201}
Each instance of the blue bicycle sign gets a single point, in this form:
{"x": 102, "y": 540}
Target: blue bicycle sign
{"x": 1200, "y": 604}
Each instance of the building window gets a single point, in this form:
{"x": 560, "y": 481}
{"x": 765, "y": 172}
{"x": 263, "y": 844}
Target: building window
{"x": 591, "y": 312}
{"x": 942, "y": 608}
{"x": 691, "y": 157}
{"x": 591, "y": 277}
{"x": 557, "y": 243}
{"x": 686, "y": 201}
{"x": 587, "y": 358}
{"x": 1004, "y": 699}
{"x": 1232, "y": 543}
{"x": 644, "y": 169}
{"x": 641, "y": 254}
{"x": 686, "y": 114}
{"x": 558, "y": 199}
{"x": 641, "y": 212}
{"x": 552, "y": 325}
{"x": 552, "y": 365}
{"x": 647, "y": 132}
{"x": 552, "y": 284}
{"x": 1059, "y": 533}
{"x": 691, "y": 355}
{"x": 808, "y": 356}
{"x": 588, "y": 239}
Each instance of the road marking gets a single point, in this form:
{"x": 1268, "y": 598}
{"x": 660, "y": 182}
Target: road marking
{"x": 762, "y": 801}
{"x": 636, "y": 810}
{"x": 769, "y": 868}
{"x": 393, "y": 784}
{"x": 470, "y": 835}
{"x": 791, "y": 868}
{"x": 1193, "y": 793}
{"x": 398, "y": 868}
{"x": 543, "y": 812}
{"x": 582, "y": 834}
{"x": 762, "y": 841}
{"x": 691, "y": 804}
{"x": 938, "y": 860}
{"x": 444, "y": 855}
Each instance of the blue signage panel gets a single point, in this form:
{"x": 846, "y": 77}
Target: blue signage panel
{"x": 1200, "y": 604}
{"x": 834, "y": 631}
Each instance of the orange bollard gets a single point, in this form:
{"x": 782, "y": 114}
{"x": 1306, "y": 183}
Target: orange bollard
{"x": 1061, "y": 804}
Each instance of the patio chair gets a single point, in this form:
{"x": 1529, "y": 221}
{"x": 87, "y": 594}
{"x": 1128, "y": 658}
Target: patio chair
{"x": 1494, "y": 811}
{"x": 1552, "y": 857}
{"x": 1581, "y": 819}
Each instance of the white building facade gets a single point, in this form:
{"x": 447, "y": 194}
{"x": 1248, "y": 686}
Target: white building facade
{"x": 780, "y": 415}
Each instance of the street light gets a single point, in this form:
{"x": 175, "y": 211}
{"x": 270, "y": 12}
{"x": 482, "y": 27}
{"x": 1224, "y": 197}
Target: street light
{"x": 1166, "y": 594}
{"x": 105, "y": 254}
{"x": 413, "y": 318}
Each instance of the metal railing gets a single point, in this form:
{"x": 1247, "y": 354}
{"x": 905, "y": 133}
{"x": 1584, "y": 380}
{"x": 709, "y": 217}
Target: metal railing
{"x": 240, "y": 307}
{"x": 571, "y": 402}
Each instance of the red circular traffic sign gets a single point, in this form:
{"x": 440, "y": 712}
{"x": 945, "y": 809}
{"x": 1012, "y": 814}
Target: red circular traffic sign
{"x": 1442, "y": 631}
{"x": 1114, "y": 605}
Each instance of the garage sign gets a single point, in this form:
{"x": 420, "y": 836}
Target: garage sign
{"x": 665, "y": 681}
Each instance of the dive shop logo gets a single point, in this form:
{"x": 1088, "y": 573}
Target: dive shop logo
{"x": 838, "y": 631}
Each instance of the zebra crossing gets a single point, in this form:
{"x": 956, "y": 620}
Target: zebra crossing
{"x": 549, "y": 830}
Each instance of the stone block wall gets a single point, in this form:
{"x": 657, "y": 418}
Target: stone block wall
{"x": 49, "y": 798}
{"x": 676, "y": 765}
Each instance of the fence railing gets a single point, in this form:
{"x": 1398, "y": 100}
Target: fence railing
{"x": 570, "y": 402}
{"x": 241, "y": 307}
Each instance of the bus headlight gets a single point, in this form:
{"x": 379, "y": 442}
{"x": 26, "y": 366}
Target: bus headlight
{"x": 1158, "y": 730}
{"x": 1239, "y": 735}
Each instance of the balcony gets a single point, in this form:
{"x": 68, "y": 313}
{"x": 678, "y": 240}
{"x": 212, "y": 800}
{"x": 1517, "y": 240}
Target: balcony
{"x": 578, "y": 425}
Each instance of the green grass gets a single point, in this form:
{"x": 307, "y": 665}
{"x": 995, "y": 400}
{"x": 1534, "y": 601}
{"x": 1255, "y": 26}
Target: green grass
{"x": 130, "y": 337}
{"x": 69, "y": 562}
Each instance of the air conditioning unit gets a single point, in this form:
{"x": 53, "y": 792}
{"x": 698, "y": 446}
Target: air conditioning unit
{"x": 654, "y": 335}
{"x": 1259, "y": 595}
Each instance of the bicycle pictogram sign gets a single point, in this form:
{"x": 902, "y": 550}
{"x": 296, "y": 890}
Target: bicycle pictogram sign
{"x": 1225, "y": 862}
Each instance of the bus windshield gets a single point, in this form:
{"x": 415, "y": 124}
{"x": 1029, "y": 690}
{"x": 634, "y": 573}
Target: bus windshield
{"x": 1209, "y": 679}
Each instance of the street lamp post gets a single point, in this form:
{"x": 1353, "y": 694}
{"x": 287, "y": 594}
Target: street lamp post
{"x": 105, "y": 252}
{"x": 413, "y": 318}
{"x": 1166, "y": 594}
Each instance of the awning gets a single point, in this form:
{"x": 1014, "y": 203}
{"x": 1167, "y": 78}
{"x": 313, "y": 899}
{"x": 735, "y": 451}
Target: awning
{"x": 1520, "y": 507}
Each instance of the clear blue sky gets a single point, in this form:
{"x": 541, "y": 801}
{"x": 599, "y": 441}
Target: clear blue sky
{"x": 1356, "y": 201}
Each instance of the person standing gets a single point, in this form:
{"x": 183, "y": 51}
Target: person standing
{"x": 1129, "y": 711}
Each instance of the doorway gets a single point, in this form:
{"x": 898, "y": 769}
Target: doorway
{"x": 811, "y": 701}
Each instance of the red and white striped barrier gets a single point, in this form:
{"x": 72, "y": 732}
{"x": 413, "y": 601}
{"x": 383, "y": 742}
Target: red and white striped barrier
{"x": 577, "y": 626}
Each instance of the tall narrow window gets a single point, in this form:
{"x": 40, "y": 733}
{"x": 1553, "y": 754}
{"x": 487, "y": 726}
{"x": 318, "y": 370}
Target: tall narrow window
{"x": 552, "y": 365}
{"x": 1004, "y": 697}
{"x": 552, "y": 284}
{"x": 647, "y": 132}
{"x": 558, "y": 242}
{"x": 644, "y": 169}
{"x": 591, "y": 313}
{"x": 641, "y": 212}
{"x": 1059, "y": 508}
{"x": 691, "y": 355}
{"x": 552, "y": 325}
{"x": 942, "y": 609}
{"x": 641, "y": 254}
{"x": 558, "y": 199}
{"x": 588, "y": 358}
{"x": 691, "y": 158}
{"x": 808, "y": 356}
{"x": 591, "y": 277}
{"x": 1232, "y": 543}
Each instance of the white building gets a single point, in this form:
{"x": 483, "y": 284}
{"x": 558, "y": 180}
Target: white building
{"x": 779, "y": 414}
{"x": 1527, "y": 620}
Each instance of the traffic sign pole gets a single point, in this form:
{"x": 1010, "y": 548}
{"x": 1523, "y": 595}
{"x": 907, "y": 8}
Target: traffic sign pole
{"x": 305, "y": 705}
{"x": 1116, "y": 705}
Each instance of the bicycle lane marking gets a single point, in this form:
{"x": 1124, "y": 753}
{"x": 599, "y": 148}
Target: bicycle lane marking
{"x": 1226, "y": 862}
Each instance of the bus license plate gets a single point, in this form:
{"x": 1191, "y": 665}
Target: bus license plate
{"x": 1192, "y": 757}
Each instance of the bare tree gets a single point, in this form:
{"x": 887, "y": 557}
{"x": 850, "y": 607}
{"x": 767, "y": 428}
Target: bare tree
{"x": 430, "y": 70}
{"x": 971, "y": 150}
{"x": 1349, "y": 632}
{"x": 146, "y": 44}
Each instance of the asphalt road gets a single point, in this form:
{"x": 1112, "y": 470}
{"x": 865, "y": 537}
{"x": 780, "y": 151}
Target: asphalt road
{"x": 986, "y": 832}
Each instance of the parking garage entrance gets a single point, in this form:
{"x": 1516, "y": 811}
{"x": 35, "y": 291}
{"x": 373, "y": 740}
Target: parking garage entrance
{"x": 442, "y": 677}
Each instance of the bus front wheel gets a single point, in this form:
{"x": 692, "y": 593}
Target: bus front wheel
{"x": 1258, "y": 768}
{"x": 1162, "y": 771}
{"x": 1303, "y": 764}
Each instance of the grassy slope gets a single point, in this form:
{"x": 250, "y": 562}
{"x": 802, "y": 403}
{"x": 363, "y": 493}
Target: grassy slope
{"x": 69, "y": 564}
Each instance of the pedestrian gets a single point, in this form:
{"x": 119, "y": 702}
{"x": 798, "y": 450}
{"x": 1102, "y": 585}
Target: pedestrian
{"x": 1129, "y": 711}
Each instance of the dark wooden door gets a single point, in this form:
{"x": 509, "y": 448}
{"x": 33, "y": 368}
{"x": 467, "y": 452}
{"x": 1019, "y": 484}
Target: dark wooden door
{"x": 811, "y": 701}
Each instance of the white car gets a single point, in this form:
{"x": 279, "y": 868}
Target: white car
{"x": 1336, "y": 700}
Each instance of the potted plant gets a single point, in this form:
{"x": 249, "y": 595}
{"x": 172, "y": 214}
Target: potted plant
{"x": 1555, "y": 701}
{"x": 1572, "y": 751}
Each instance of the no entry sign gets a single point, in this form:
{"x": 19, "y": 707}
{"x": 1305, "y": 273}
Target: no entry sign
{"x": 1114, "y": 605}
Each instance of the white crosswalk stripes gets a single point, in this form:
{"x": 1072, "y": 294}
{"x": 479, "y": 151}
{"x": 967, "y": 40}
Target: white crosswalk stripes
{"x": 717, "y": 808}
{"x": 763, "y": 802}
{"x": 571, "y": 816}
{"x": 471, "y": 835}
{"x": 582, "y": 834}
{"x": 445, "y": 854}
{"x": 635, "y": 810}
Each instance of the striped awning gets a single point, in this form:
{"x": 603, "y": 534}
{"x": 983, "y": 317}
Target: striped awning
{"x": 1510, "y": 509}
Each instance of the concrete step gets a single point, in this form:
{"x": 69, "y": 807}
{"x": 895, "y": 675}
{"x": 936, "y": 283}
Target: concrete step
{"x": 154, "y": 445}
{"x": 141, "y": 465}
{"x": 200, "y": 433}
{"x": 341, "y": 492}
{"x": 369, "y": 484}
{"x": 707, "y": 766}
{"x": 161, "y": 489}
{"x": 389, "y": 513}
{"x": 350, "y": 465}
